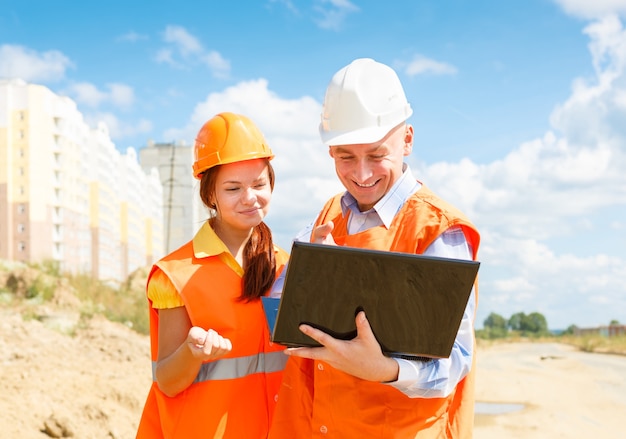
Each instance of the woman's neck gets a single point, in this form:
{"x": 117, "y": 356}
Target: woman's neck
{"x": 234, "y": 239}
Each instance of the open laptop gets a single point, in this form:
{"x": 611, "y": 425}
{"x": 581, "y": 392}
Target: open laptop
{"x": 414, "y": 303}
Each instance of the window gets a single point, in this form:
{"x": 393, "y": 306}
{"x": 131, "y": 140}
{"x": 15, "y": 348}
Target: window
{"x": 21, "y": 228}
{"x": 21, "y": 246}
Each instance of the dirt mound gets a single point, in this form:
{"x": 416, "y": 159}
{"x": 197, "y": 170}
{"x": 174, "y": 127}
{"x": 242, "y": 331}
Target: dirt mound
{"x": 64, "y": 374}
{"x": 89, "y": 385}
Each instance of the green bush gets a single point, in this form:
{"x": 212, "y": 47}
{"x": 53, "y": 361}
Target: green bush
{"x": 33, "y": 284}
{"x": 122, "y": 304}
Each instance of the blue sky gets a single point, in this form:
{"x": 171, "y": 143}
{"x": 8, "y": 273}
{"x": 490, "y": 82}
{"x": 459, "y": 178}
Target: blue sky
{"x": 519, "y": 112}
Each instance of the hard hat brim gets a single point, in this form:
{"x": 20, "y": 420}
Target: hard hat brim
{"x": 363, "y": 136}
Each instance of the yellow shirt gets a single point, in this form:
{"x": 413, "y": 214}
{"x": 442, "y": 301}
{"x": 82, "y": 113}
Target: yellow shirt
{"x": 206, "y": 243}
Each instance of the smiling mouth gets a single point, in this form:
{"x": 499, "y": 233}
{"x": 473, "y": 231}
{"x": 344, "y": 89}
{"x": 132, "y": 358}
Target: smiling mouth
{"x": 366, "y": 185}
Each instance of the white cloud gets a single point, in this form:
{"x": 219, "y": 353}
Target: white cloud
{"x": 85, "y": 93}
{"x": 217, "y": 64}
{"x": 565, "y": 187}
{"x": 593, "y": 9}
{"x": 526, "y": 275}
{"x": 618, "y": 225}
{"x": 121, "y": 95}
{"x": 275, "y": 115}
{"x": 420, "y": 64}
{"x": 333, "y": 12}
{"x": 186, "y": 43}
{"x": 32, "y": 66}
{"x": 545, "y": 190}
{"x": 287, "y": 4}
{"x": 185, "y": 50}
{"x": 596, "y": 110}
{"x": 119, "y": 129}
{"x": 165, "y": 56}
{"x": 132, "y": 37}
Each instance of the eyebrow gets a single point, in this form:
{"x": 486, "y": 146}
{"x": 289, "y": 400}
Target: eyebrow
{"x": 256, "y": 180}
{"x": 341, "y": 150}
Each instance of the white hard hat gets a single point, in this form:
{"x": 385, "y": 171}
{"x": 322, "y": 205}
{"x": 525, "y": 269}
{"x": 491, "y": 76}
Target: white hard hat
{"x": 363, "y": 102}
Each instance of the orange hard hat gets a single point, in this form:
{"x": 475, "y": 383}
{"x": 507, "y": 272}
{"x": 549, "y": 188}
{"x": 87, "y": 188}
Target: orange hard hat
{"x": 228, "y": 138}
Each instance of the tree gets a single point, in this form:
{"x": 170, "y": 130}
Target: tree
{"x": 495, "y": 321}
{"x": 536, "y": 323}
{"x": 515, "y": 321}
{"x": 532, "y": 324}
{"x": 495, "y": 327}
{"x": 571, "y": 329}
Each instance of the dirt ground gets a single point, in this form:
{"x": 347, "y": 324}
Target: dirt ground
{"x": 563, "y": 392}
{"x": 89, "y": 384}
{"x": 64, "y": 376}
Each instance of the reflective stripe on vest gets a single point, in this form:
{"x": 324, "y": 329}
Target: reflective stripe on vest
{"x": 239, "y": 367}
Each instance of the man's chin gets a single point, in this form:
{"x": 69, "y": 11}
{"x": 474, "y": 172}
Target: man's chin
{"x": 365, "y": 204}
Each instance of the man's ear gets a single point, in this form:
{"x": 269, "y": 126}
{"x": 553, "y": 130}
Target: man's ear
{"x": 408, "y": 139}
{"x": 330, "y": 151}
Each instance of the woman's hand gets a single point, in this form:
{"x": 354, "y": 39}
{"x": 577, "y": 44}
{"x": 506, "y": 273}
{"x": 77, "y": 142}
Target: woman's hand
{"x": 207, "y": 345}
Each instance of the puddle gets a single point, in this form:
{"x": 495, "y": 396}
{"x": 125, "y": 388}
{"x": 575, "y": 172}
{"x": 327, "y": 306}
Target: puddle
{"x": 496, "y": 408}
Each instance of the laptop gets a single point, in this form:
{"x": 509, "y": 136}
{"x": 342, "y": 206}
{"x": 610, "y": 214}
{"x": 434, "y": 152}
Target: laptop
{"x": 414, "y": 303}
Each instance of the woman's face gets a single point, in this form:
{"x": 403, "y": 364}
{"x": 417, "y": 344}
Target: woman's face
{"x": 242, "y": 193}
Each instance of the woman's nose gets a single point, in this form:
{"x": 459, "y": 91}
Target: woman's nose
{"x": 249, "y": 195}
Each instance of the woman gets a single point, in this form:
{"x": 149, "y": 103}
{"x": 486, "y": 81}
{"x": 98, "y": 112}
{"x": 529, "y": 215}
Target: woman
{"x": 215, "y": 372}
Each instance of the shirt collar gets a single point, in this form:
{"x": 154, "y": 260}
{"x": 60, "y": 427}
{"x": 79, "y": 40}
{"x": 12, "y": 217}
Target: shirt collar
{"x": 390, "y": 203}
{"x": 206, "y": 242}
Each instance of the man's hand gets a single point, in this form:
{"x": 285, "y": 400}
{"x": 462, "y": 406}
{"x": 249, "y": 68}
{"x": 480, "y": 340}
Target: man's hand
{"x": 361, "y": 357}
{"x": 322, "y": 234}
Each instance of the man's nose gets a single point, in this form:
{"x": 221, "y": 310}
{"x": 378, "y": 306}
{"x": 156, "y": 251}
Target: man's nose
{"x": 362, "y": 171}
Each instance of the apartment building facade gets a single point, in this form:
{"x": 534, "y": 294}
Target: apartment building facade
{"x": 67, "y": 194}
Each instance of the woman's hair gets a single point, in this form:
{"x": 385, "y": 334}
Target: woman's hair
{"x": 258, "y": 256}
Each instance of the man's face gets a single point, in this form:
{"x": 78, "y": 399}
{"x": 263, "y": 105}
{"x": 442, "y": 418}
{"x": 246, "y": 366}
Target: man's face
{"x": 369, "y": 170}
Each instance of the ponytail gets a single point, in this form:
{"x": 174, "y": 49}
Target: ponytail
{"x": 260, "y": 264}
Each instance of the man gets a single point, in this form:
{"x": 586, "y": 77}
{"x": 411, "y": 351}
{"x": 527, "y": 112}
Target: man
{"x": 349, "y": 389}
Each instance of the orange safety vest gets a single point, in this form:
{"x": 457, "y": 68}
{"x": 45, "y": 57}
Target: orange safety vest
{"x": 317, "y": 400}
{"x": 234, "y": 396}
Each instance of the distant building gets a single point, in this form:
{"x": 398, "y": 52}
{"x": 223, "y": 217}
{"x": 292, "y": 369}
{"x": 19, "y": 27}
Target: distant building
{"x": 183, "y": 211}
{"x": 67, "y": 194}
{"x": 604, "y": 331}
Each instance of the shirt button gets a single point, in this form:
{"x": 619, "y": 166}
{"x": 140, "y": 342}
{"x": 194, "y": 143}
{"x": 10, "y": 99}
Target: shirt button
{"x": 323, "y": 429}
{"x": 276, "y": 398}
{"x": 320, "y": 366}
